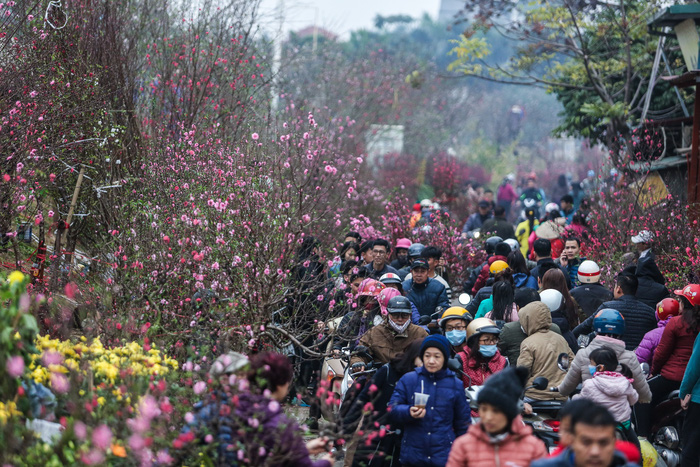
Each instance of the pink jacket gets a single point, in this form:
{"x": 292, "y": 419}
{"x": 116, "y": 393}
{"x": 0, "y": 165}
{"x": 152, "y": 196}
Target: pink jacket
{"x": 613, "y": 391}
{"x": 476, "y": 449}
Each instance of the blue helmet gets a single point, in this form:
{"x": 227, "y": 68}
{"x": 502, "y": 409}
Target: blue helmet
{"x": 609, "y": 321}
{"x": 415, "y": 250}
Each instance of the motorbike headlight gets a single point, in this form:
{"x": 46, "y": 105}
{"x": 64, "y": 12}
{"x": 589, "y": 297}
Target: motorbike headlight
{"x": 668, "y": 436}
{"x": 672, "y": 458}
{"x": 541, "y": 426}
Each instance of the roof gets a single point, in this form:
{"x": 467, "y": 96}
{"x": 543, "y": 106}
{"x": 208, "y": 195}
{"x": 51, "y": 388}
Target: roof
{"x": 690, "y": 78}
{"x": 672, "y": 15}
{"x": 309, "y": 31}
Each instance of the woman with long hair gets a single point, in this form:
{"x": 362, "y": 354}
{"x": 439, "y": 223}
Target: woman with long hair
{"x": 504, "y": 309}
{"x": 521, "y": 273}
{"x": 554, "y": 279}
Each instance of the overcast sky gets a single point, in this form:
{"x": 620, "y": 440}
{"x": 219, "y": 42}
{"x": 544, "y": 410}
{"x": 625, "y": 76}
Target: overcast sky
{"x": 343, "y": 16}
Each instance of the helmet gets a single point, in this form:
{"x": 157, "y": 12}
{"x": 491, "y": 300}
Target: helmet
{"x": 385, "y": 296}
{"x": 552, "y": 298}
{"x": 498, "y": 266}
{"x": 390, "y": 278}
{"x": 454, "y": 312}
{"x": 481, "y": 326}
{"x": 369, "y": 288}
{"x": 403, "y": 243}
{"x": 591, "y": 173}
{"x": 666, "y": 308}
{"x": 399, "y": 304}
{"x": 609, "y": 321}
{"x": 513, "y": 243}
{"x": 490, "y": 244}
{"x": 550, "y": 207}
{"x": 415, "y": 250}
{"x": 426, "y": 203}
{"x": 691, "y": 292}
{"x": 589, "y": 272}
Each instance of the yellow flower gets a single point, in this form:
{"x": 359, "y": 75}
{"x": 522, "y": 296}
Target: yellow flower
{"x": 101, "y": 401}
{"x": 15, "y": 277}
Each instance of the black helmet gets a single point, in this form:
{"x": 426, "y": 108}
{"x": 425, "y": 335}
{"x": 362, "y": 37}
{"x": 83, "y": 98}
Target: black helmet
{"x": 399, "y": 304}
{"x": 415, "y": 250}
{"x": 490, "y": 244}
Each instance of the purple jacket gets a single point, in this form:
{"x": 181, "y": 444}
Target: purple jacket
{"x": 650, "y": 341}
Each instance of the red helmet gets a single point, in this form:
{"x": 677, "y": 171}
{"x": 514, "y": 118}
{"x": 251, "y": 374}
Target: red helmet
{"x": 666, "y": 308}
{"x": 369, "y": 288}
{"x": 691, "y": 292}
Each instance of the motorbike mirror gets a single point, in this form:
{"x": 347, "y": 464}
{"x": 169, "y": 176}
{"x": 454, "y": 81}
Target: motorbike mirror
{"x": 583, "y": 341}
{"x": 540, "y": 383}
{"x": 454, "y": 365}
{"x": 645, "y": 369}
{"x": 424, "y": 320}
{"x": 464, "y": 299}
{"x": 563, "y": 362}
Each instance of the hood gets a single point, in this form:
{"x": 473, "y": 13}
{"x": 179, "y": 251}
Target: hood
{"x": 662, "y": 324}
{"x": 518, "y": 429}
{"x": 520, "y": 279}
{"x": 616, "y": 344}
{"x": 646, "y": 268}
{"x": 496, "y": 258}
{"x": 535, "y": 317}
{"x": 611, "y": 384}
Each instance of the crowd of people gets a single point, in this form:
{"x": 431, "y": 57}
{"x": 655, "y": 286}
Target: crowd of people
{"x": 535, "y": 301}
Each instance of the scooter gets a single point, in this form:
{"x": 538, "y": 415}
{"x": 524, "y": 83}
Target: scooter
{"x": 668, "y": 419}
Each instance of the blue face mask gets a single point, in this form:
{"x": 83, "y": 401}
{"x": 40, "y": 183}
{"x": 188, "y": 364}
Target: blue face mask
{"x": 456, "y": 337}
{"x": 591, "y": 369}
{"x": 488, "y": 350}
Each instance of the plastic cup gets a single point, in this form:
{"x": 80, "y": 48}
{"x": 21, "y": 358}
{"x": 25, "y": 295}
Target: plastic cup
{"x": 420, "y": 400}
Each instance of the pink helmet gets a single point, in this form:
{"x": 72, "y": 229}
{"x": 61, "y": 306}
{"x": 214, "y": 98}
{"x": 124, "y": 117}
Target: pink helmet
{"x": 403, "y": 243}
{"x": 384, "y": 297}
{"x": 369, "y": 288}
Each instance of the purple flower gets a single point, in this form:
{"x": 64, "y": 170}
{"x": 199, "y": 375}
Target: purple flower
{"x": 102, "y": 437}
{"x": 15, "y": 366}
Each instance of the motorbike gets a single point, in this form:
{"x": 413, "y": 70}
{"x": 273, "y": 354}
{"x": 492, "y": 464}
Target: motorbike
{"x": 667, "y": 424}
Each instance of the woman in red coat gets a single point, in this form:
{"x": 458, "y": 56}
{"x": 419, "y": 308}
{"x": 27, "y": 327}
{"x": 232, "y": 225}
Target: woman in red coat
{"x": 672, "y": 355}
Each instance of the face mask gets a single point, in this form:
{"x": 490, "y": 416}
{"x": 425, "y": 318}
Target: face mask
{"x": 488, "y": 350}
{"x": 456, "y": 337}
{"x": 591, "y": 369}
{"x": 397, "y": 328}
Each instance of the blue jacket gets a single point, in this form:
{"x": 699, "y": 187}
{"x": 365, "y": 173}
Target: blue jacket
{"x": 426, "y": 297}
{"x": 521, "y": 280}
{"x": 691, "y": 378}
{"x": 427, "y": 441}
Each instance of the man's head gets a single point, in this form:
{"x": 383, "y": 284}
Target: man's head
{"x": 484, "y": 207}
{"x": 525, "y": 296}
{"x": 531, "y": 182}
{"x": 353, "y": 237}
{"x": 542, "y": 248}
{"x": 380, "y": 253}
{"x": 358, "y": 275}
{"x": 488, "y": 195}
{"x": 642, "y": 241}
{"x": 500, "y": 212}
{"x": 626, "y": 284}
{"x": 432, "y": 255}
{"x": 419, "y": 270}
{"x": 567, "y": 412}
{"x": 366, "y": 252}
{"x": 346, "y": 268}
{"x": 593, "y": 442}
{"x": 567, "y": 203}
{"x": 572, "y": 248}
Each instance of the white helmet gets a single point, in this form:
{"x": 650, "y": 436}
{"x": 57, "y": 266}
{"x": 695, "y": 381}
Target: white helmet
{"x": 588, "y": 272}
{"x": 426, "y": 203}
{"x": 512, "y": 243}
{"x": 551, "y": 207}
{"x": 552, "y": 298}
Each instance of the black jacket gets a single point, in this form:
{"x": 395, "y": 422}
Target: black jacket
{"x": 591, "y": 296}
{"x": 639, "y": 319}
{"x": 565, "y": 459}
{"x": 651, "y": 288}
{"x": 498, "y": 226}
{"x": 536, "y": 270}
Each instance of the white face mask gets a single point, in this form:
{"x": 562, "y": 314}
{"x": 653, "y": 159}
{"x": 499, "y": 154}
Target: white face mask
{"x": 400, "y": 329}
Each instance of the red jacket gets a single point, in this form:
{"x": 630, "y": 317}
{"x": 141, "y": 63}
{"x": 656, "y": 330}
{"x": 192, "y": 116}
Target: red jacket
{"x": 518, "y": 449}
{"x": 484, "y": 274}
{"x": 478, "y": 373}
{"x": 674, "y": 350}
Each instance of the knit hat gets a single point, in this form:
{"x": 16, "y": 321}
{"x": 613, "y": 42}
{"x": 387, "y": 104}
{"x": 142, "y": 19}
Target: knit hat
{"x": 504, "y": 389}
{"x": 439, "y": 342}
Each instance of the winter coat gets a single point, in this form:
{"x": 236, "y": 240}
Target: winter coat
{"x": 645, "y": 351}
{"x": 512, "y": 335}
{"x": 475, "y": 221}
{"x": 522, "y": 280}
{"x": 560, "y": 320}
{"x": 691, "y": 378}
{"x": 276, "y": 441}
{"x": 384, "y": 343}
{"x": 427, "y": 441}
{"x": 566, "y": 459}
{"x": 484, "y": 274}
{"x": 483, "y": 294}
{"x": 534, "y": 272}
{"x": 522, "y": 234}
{"x": 509, "y": 317}
{"x": 427, "y": 296}
{"x": 351, "y": 328}
{"x": 613, "y": 391}
{"x": 377, "y": 274}
{"x": 477, "y": 448}
{"x": 674, "y": 350}
{"x": 590, "y": 296}
{"x": 571, "y": 269}
{"x": 498, "y": 226}
{"x": 639, "y": 319}
{"x": 539, "y": 352}
{"x": 476, "y": 373}
{"x": 506, "y": 193}
{"x": 651, "y": 288}
{"x": 578, "y": 372}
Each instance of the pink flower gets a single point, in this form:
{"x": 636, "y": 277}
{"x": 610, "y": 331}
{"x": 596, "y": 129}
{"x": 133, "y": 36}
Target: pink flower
{"x": 93, "y": 457}
{"x": 189, "y": 418}
{"x": 255, "y": 136}
{"x": 6, "y": 178}
{"x": 80, "y": 430}
{"x": 59, "y": 383}
{"x": 102, "y": 437}
{"x": 136, "y": 442}
{"x": 52, "y": 177}
{"x": 15, "y": 366}
{"x": 208, "y": 439}
{"x": 50, "y": 213}
{"x": 52, "y": 358}
{"x": 199, "y": 387}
